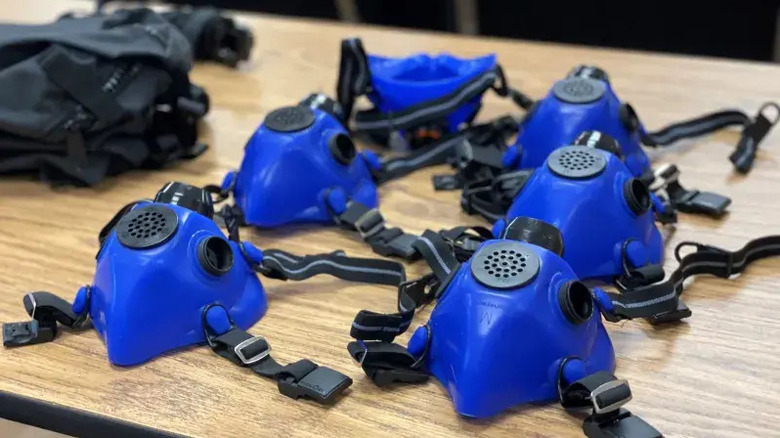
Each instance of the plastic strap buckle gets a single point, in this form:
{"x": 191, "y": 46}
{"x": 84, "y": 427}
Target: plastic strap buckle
{"x": 323, "y": 385}
{"x": 610, "y": 396}
{"x": 394, "y": 242}
{"x": 18, "y": 334}
{"x": 681, "y": 312}
{"x": 387, "y": 376}
{"x": 618, "y": 424}
{"x": 663, "y": 176}
{"x": 694, "y": 201}
{"x": 249, "y": 353}
{"x": 370, "y": 223}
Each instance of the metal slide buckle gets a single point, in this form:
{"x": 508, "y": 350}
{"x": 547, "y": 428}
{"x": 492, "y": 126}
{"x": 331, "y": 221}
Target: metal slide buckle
{"x": 253, "y": 359}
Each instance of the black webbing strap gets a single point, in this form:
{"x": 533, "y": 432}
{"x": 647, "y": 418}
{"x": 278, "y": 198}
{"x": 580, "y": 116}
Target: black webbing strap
{"x": 383, "y": 361}
{"x": 606, "y": 395}
{"x": 465, "y": 240}
{"x": 285, "y": 266}
{"x": 437, "y": 109}
{"x": 661, "y": 301}
{"x": 354, "y": 76}
{"x": 46, "y": 311}
{"x": 481, "y": 156}
{"x": 303, "y": 378}
{"x": 667, "y": 179}
{"x": 753, "y": 132}
{"x": 491, "y": 197}
{"x": 370, "y": 224}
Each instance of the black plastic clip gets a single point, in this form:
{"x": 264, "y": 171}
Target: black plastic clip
{"x": 323, "y": 385}
{"x": 618, "y": 424}
{"x": 18, "y": 334}
{"x": 697, "y": 202}
{"x": 394, "y": 242}
{"x": 745, "y": 153}
{"x": 681, "y": 312}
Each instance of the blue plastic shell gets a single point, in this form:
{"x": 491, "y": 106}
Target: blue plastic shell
{"x": 399, "y": 83}
{"x": 555, "y": 123}
{"x": 594, "y": 218}
{"x": 145, "y": 302}
{"x": 493, "y": 349}
{"x": 284, "y": 176}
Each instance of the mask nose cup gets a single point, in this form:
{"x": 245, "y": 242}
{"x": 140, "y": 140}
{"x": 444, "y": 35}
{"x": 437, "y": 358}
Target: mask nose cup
{"x": 215, "y": 255}
{"x": 576, "y": 302}
{"x": 637, "y": 196}
{"x": 534, "y": 231}
{"x": 342, "y": 148}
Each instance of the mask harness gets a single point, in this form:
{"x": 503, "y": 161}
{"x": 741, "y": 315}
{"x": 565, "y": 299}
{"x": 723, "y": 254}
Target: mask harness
{"x": 221, "y": 312}
{"x": 300, "y": 166}
{"x": 581, "y": 382}
{"x": 417, "y": 99}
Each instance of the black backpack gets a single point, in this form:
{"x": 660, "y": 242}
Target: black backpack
{"x": 85, "y": 98}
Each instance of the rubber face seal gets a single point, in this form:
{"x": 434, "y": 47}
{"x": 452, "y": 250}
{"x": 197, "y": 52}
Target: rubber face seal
{"x": 535, "y": 231}
{"x": 637, "y": 195}
{"x": 147, "y": 226}
{"x": 576, "y": 302}
{"x": 579, "y": 90}
{"x": 505, "y": 265}
{"x": 215, "y": 255}
{"x": 342, "y": 148}
{"x": 289, "y": 119}
{"x": 576, "y": 162}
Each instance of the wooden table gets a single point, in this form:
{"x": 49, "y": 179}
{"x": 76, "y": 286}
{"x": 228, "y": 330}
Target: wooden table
{"x": 716, "y": 375}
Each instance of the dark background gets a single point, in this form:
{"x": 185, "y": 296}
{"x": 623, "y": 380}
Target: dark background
{"x": 735, "y": 29}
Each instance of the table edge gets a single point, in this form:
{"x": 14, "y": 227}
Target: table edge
{"x": 71, "y": 421}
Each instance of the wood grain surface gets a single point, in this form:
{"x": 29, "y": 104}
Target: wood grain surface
{"x": 715, "y": 375}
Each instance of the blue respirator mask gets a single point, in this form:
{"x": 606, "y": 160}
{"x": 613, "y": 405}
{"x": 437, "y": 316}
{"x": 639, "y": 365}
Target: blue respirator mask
{"x": 166, "y": 277}
{"x": 605, "y": 214}
{"x": 585, "y": 101}
{"x": 301, "y": 166}
{"x": 419, "y": 98}
{"x": 522, "y": 289}
{"x": 570, "y": 172}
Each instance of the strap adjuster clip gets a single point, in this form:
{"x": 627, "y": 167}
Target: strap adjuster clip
{"x": 323, "y": 385}
{"x": 610, "y": 396}
{"x": 18, "y": 334}
{"x": 256, "y": 357}
{"x": 370, "y": 223}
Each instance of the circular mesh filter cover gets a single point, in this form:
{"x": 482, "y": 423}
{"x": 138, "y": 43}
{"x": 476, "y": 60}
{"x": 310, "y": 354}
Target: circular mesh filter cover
{"x": 505, "y": 265}
{"x": 579, "y": 90}
{"x": 147, "y": 226}
{"x": 577, "y": 162}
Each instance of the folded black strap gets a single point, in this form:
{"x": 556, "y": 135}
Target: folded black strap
{"x": 481, "y": 156}
{"x": 354, "y": 75}
{"x": 754, "y": 131}
{"x": 605, "y": 395}
{"x": 491, "y": 197}
{"x": 370, "y": 224}
{"x": 661, "y": 302}
{"x": 301, "y": 379}
{"x": 438, "y": 253}
{"x": 46, "y": 311}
